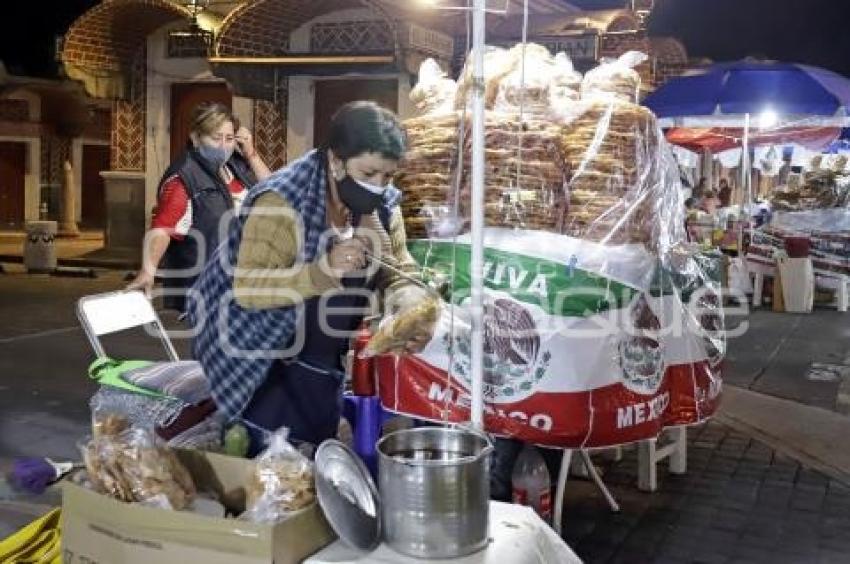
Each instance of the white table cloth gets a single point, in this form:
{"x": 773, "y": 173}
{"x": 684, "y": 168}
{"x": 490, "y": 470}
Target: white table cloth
{"x": 518, "y": 536}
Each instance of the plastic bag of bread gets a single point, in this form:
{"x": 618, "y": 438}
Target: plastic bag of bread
{"x": 614, "y": 79}
{"x": 565, "y": 85}
{"x": 434, "y": 93}
{"x": 395, "y": 331}
{"x": 131, "y": 464}
{"x": 498, "y": 62}
{"x": 281, "y": 483}
{"x": 528, "y": 86}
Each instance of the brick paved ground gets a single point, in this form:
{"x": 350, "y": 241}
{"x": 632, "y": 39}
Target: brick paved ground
{"x": 739, "y": 502}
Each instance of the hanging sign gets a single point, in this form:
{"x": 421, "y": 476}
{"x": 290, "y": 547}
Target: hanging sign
{"x": 578, "y": 47}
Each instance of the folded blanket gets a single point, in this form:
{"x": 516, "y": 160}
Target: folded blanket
{"x": 183, "y": 379}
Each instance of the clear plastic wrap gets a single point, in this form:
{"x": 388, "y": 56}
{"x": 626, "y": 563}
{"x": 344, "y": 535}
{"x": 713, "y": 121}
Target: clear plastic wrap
{"x": 427, "y": 171}
{"x": 602, "y": 324}
{"x": 768, "y": 160}
{"x": 434, "y": 93}
{"x": 829, "y": 220}
{"x": 615, "y": 79}
{"x": 132, "y": 465}
{"x": 498, "y": 62}
{"x": 526, "y": 88}
{"x": 565, "y": 85}
{"x": 282, "y": 482}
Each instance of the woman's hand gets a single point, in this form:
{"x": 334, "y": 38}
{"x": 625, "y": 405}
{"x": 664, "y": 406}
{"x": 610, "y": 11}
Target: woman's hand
{"x": 245, "y": 142}
{"x": 347, "y": 256}
{"x": 144, "y": 281}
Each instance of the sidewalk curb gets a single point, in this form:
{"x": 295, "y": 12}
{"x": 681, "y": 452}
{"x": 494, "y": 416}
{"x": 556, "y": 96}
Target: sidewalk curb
{"x": 114, "y": 264}
{"x": 815, "y": 437}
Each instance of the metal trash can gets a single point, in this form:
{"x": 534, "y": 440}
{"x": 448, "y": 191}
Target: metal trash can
{"x": 40, "y": 246}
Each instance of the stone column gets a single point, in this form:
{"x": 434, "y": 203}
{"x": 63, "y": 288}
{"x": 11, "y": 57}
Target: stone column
{"x": 68, "y": 225}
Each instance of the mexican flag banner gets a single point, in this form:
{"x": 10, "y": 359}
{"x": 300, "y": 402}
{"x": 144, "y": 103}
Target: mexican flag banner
{"x": 586, "y": 344}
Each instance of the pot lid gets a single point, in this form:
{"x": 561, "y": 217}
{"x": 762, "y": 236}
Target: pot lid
{"x": 347, "y": 495}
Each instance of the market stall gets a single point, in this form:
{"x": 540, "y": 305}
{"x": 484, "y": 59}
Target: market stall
{"x": 590, "y": 336}
{"x": 810, "y": 221}
{"x": 764, "y": 102}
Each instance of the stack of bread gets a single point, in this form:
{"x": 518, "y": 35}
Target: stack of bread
{"x": 524, "y": 174}
{"x": 610, "y": 150}
{"x": 555, "y": 160}
{"x": 426, "y": 173}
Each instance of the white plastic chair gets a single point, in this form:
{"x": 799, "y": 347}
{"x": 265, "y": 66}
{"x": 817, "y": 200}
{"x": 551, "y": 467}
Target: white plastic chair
{"x": 102, "y": 314}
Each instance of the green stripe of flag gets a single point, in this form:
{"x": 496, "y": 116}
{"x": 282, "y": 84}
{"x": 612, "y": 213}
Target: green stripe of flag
{"x": 559, "y": 289}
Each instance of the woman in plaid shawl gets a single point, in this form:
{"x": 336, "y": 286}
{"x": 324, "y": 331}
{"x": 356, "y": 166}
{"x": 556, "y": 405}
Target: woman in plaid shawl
{"x": 276, "y": 305}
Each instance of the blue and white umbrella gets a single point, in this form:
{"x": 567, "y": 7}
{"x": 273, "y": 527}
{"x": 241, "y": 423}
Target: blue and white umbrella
{"x": 773, "y": 93}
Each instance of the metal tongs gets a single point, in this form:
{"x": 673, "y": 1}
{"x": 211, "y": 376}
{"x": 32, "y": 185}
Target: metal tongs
{"x": 403, "y": 274}
{"x": 346, "y": 234}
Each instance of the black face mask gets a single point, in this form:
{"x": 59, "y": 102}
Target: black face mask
{"x": 361, "y": 198}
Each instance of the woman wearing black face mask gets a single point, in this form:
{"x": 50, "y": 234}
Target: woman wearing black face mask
{"x": 275, "y": 307}
{"x": 208, "y": 180}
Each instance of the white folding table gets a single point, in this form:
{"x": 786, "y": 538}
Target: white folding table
{"x": 518, "y": 536}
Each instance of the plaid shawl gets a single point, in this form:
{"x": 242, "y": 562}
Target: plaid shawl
{"x": 237, "y": 346}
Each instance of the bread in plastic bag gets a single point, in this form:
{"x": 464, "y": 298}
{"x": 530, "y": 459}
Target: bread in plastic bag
{"x": 564, "y": 88}
{"x": 397, "y": 330}
{"x": 527, "y": 86}
{"x": 498, "y": 62}
{"x": 434, "y": 93}
{"x": 614, "y": 79}
{"x": 426, "y": 169}
{"x": 131, "y": 464}
{"x": 566, "y": 80}
{"x": 611, "y": 150}
{"x": 282, "y": 482}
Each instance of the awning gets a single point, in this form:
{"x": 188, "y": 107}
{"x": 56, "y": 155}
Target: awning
{"x": 314, "y": 64}
{"x": 263, "y": 77}
{"x": 720, "y": 139}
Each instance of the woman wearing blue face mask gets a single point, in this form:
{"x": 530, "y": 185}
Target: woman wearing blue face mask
{"x": 202, "y": 185}
{"x": 276, "y": 305}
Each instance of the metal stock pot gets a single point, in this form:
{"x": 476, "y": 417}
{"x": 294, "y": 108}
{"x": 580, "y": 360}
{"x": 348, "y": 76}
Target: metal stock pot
{"x": 435, "y": 491}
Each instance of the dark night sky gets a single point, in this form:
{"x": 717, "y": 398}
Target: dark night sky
{"x": 811, "y": 31}
{"x": 27, "y": 40}
{"x": 815, "y": 32}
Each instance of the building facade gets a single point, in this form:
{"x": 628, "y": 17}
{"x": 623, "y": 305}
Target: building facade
{"x": 43, "y": 124}
{"x": 284, "y": 66}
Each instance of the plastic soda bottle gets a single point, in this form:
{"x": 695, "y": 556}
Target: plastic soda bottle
{"x": 531, "y": 483}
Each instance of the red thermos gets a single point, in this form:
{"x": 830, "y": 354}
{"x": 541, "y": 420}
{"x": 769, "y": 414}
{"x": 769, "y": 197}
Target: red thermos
{"x": 362, "y": 369}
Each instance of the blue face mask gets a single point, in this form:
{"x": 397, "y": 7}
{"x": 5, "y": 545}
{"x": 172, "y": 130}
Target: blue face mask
{"x": 216, "y": 156}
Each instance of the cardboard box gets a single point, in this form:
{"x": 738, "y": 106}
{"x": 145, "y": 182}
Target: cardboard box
{"x": 97, "y": 529}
